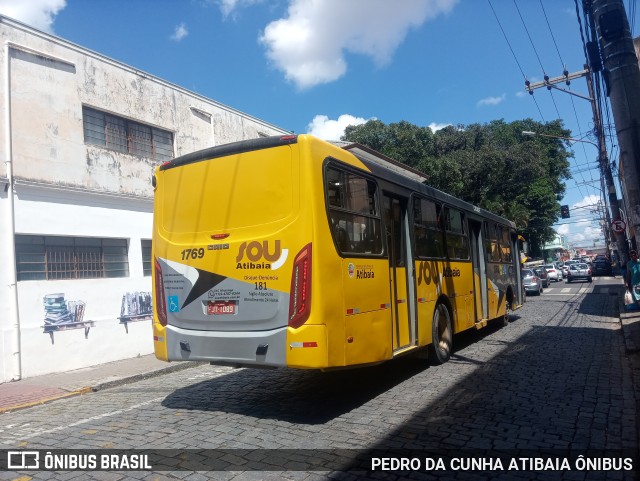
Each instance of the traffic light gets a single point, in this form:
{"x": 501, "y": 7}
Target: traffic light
{"x": 564, "y": 211}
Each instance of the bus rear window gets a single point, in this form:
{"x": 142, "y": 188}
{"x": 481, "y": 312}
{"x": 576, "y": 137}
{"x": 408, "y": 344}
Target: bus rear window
{"x": 241, "y": 190}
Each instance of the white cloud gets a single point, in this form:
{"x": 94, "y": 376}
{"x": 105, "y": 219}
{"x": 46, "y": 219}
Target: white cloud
{"x": 577, "y": 239}
{"x": 309, "y": 44}
{"x": 492, "y": 100}
{"x": 321, "y": 126}
{"x": 37, "y": 13}
{"x": 588, "y": 202}
{"x": 435, "y": 126}
{"x": 180, "y": 32}
{"x": 582, "y": 232}
{"x": 227, "y": 7}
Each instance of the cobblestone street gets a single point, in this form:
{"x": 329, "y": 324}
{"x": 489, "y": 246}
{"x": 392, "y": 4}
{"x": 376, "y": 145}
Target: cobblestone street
{"x": 556, "y": 378}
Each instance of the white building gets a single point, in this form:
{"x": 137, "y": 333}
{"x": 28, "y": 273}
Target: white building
{"x": 555, "y": 249}
{"x": 80, "y": 136}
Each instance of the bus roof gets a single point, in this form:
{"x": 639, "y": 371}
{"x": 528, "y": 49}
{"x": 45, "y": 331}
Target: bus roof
{"x": 402, "y": 174}
{"x": 385, "y": 167}
{"x": 230, "y": 149}
{"x": 365, "y": 153}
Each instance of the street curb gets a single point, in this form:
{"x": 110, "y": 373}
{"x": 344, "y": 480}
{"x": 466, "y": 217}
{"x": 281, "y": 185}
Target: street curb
{"x": 106, "y": 385}
{"x": 180, "y": 366}
{"x": 16, "y": 407}
{"x": 630, "y": 324}
{"x": 631, "y": 331}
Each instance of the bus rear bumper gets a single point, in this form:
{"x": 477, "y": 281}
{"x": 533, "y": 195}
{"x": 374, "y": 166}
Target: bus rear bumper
{"x": 265, "y": 348}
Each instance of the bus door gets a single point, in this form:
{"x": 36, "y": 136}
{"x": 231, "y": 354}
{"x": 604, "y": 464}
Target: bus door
{"x": 401, "y": 273}
{"x": 479, "y": 270}
{"x": 516, "y": 267}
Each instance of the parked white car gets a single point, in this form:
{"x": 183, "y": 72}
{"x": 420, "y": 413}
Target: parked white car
{"x": 553, "y": 272}
{"x": 565, "y": 267}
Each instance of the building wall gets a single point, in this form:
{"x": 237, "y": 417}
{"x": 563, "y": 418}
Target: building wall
{"x": 64, "y": 187}
{"x": 59, "y": 212}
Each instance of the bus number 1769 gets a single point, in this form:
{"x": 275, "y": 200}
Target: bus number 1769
{"x": 192, "y": 253}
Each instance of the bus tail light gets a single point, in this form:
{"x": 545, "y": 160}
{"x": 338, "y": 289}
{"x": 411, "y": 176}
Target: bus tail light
{"x": 161, "y": 304}
{"x": 300, "y": 292}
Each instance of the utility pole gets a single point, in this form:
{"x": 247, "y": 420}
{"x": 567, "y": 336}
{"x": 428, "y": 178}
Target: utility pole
{"x": 603, "y": 158}
{"x": 622, "y": 80}
{"x": 607, "y": 175}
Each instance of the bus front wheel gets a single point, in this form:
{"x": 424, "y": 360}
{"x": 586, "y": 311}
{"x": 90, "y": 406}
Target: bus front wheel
{"x": 442, "y": 340}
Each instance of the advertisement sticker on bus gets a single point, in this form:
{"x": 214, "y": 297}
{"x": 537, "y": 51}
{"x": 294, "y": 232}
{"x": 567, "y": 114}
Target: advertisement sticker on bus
{"x": 362, "y": 271}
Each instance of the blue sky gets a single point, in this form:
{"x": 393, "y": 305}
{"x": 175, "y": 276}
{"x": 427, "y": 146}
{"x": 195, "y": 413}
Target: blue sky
{"x": 317, "y": 65}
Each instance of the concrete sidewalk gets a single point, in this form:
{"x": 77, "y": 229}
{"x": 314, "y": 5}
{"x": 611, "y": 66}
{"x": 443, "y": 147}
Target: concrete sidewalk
{"x": 41, "y": 389}
{"x": 630, "y": 322}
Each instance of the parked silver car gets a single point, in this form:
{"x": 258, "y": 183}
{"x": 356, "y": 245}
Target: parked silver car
{"x": 531, "y": 282}
{"x": 579, "y": 271}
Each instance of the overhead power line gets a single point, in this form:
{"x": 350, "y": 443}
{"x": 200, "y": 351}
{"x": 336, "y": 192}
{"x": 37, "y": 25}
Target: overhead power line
{"x": 515, "y": 57}
{"x": 552, "y": 36}
{"x": 585, "y": 173}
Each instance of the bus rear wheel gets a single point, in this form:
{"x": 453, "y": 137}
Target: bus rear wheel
{"x": 442, "y": 332}
{"x": 508, "y": 308}
{"x": 507, "y": 314}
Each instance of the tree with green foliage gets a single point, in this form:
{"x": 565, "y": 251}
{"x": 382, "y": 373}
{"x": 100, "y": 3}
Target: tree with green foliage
{"x": 494, "y": 166}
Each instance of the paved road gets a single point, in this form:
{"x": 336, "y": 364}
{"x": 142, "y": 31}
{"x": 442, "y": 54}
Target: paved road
{"x": 557, "y": 378}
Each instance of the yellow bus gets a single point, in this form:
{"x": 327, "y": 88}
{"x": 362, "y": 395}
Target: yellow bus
{"x": 293, "y": 251}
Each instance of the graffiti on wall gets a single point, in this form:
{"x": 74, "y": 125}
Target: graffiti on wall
{"x": 61, "y": 314}
{"x": 136, "y": 306}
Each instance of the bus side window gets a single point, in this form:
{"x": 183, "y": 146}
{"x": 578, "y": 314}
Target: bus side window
{"x": 334, "y": 194}
{"x": 491, "y": 242}
{"x": 505, "y": 244}
{"x": 353, "y": 212}
{"x": 456, "y": 234}
{"x": 428, "y": 235}
{"x": 342, "y": 239}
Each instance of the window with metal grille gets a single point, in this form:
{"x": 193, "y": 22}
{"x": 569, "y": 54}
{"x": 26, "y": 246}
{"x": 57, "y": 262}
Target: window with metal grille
{"x": 54, "y": 258}
{"x": 124, "y": 135}
{"x": 146, "y": 256}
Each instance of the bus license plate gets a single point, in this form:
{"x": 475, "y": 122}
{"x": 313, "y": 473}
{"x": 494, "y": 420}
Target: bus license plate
{"x": 218, "y": 308}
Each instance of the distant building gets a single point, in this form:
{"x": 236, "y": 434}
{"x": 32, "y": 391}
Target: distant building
{"x": 557, "y": 249}
{"x": 81, "y": 134}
